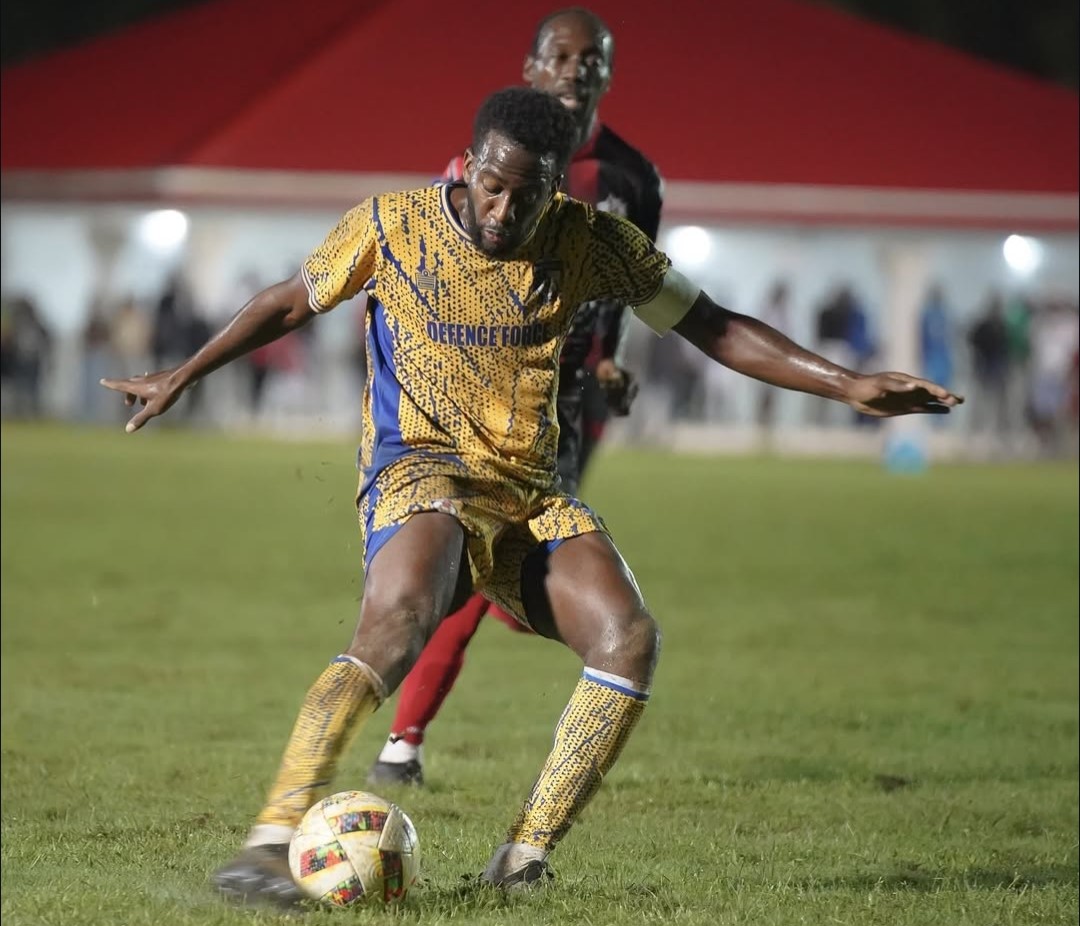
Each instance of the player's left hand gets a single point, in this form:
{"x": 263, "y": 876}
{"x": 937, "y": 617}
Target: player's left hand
{"x": 619, "y": 386}
{"x": 884, "y": 395}
{"x": 155, "y": 392}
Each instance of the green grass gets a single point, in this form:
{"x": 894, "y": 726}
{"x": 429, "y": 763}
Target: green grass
{"x": 865, "y": 713}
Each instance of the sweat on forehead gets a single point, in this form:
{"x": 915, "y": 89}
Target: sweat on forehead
{"x": 501, "y": 153}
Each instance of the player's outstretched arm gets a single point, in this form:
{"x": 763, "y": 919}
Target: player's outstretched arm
{"x": 755, "y": 349}
{"x": 271, "y": 314}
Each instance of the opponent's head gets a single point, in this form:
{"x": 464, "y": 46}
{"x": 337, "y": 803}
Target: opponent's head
{"x": 571, "y": 58}
{"x": 522, "y": 141}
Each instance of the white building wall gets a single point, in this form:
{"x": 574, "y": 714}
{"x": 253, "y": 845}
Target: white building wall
{"x": 63, "y": 256}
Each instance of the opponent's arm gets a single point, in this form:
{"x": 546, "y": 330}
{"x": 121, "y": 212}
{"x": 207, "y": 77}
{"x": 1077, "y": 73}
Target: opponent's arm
{"x": 755, "y": 349}
{"x": 271, "y": 314}
{"x": 614, "y": 321}
{"x": 619, "y": 385}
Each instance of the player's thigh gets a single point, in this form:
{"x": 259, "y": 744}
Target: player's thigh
{"x": 422, "y": 571}
{"x": 584, "y": 594}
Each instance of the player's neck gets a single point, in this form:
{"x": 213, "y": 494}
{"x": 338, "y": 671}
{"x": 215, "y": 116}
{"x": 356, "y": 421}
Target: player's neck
{"x": 586, "y": 133}
{"x": 456, "y": 197}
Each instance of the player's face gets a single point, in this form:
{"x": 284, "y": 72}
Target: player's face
{"x": 507, "y": 190}
{"x": 573, "y": 63}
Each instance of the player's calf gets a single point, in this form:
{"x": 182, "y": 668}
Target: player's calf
{"x": 592, "y": 731}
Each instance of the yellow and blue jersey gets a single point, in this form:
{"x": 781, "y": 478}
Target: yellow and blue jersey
{"x": 463, "y": 349}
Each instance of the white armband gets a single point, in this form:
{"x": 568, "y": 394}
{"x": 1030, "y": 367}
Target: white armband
{"x": 669, "y": 306}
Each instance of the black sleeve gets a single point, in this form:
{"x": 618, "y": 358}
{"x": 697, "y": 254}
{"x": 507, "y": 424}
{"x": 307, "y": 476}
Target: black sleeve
{"x": 614, "y": 317}
{"x": 651, "y": 201}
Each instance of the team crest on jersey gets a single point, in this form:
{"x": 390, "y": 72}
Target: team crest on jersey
{"x": 547, "y": 275}
{"x": 427, "y": 281}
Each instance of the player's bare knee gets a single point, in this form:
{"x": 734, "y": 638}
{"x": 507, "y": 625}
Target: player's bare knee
{"x": 628, "y": 645}
{"x": 392, "y": 633}
{"x": 642, "y": 638}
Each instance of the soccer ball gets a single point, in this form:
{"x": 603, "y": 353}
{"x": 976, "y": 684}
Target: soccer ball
{"x": 354, "y": 846}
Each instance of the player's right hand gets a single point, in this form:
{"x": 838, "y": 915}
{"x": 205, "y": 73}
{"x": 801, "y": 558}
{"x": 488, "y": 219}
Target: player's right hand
{"x": 156, "y": 392}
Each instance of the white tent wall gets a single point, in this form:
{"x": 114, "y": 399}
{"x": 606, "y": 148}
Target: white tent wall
{"x": 63, "y": 256}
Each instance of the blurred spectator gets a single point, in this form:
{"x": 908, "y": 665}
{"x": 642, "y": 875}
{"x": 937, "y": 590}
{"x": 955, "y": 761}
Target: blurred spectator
{"x": 935, "y": 338}
{"x": 671, "y": 377}
{"x": 1054, "y": 335}
{"x": 260, "y": 364}
{"x": 229, "y": 390}
{"x": 777, "y": 313}
{"x": 844, "y": 337}
{"x": 178, "y": 332}
{"x": 25, "y": 347}
{"x": 8, "y": 360}
{"x": 97, "y": 362}
{"x": 173, "y": 317}
{"x": 1072, "y": 400}
{"x": 266, "y": 364}
{"x": 989, "y": 341}
{"x": 198, "y": 332}
{"x": 131, "y": 336}
{"x": 833, "y": 324}
{"x": 936, "y": 342}
{"x": 674, "y": 368}
{"x": 274, "y": 362}
{"x": 861, "y": 336}
{"x": 1018, "y": 371}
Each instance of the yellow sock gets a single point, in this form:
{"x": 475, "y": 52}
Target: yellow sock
{"x": 592, "y": 731}
{"x": 342, "y": 698}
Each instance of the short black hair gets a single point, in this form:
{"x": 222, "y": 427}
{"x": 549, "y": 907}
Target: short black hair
{"x": 535, "y": 120}
{"x": 599, "y": 26}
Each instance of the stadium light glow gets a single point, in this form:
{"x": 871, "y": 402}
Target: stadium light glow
{"x": 689, "y": 245}
{"x": 1022, "y": 254}
{"x": 163, "y": 230}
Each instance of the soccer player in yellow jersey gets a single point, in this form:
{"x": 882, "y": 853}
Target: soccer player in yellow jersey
{"x": 572, "y": 58}
{"x": 471, "y": 290}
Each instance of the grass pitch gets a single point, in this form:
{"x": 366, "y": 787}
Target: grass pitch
{"x": 865, "y": 713}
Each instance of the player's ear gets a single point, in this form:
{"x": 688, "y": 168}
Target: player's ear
{"x": 607, "y": 71}
{"x": 528, "y": 70}
{"x": 467, "y": 162}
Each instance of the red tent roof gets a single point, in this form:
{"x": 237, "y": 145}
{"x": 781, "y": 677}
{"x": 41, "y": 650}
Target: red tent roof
{"x": 715, "y": 91}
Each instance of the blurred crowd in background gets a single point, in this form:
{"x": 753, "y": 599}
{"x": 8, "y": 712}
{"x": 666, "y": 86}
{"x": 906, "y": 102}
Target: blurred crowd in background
{"x": 1015, "y": 357}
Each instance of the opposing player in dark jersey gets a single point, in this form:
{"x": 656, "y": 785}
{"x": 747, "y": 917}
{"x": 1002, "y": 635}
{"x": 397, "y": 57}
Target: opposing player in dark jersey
{"x": 571, "y": 58}
{"x": 472, "y": 289}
